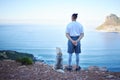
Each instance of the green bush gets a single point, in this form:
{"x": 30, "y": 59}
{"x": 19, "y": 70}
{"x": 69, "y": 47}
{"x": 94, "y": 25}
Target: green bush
{"x": 25, "y": 61}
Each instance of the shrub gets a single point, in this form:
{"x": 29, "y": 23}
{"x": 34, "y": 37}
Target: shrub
{"x": 25, "y": 60}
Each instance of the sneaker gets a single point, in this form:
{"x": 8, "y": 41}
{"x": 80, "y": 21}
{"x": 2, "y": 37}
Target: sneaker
{"x": 78, "y": 68}
{"x": 69, "y": 68}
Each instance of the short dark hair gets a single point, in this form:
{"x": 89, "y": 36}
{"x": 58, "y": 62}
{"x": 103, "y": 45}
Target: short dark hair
{"x": 74, "y": 15}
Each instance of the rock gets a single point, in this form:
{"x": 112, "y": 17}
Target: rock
{"x": 12, "y": 75}
{"x": 60, "y": 70}
{"x": 110, "y": 76}
{"x": 104, "y": 69}
{"x": 82, "y": 69}
{"x": 39, "y": 59}
{"x": 21, "y": 67}
{"x": 111, "y": 24}
{"x": 96, "y": 68}
{"x": 3, "y": 55}
{"x": 86, "y": 71}
{"x": 93, "y": 68}
{"x": 59, "y": 59}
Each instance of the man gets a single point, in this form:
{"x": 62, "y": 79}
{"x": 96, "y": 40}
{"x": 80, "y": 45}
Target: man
{"x": 74, "y": 33}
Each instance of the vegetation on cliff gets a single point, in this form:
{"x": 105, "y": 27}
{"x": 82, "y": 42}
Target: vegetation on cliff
{"x": 111, "y": 24}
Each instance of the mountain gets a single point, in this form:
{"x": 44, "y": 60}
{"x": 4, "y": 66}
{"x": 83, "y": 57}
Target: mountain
{"x": 111, "y": 24}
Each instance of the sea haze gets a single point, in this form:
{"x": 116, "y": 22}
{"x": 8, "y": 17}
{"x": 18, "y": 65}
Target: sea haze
{"x": 98, "y": 48}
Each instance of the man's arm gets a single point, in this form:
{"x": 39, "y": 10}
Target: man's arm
{"x": 80, "y": 37}
{"x": 68, "y": 36}
{"x": 73, "y": 41}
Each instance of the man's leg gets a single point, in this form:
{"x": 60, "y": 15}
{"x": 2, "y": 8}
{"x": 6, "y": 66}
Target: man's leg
{"x": 77, "y": 59}
{"x": 77, "y": 52}
{"x": 70, "y": 59}
{"x": 77, "y": 62}
{"x": 70, "y": 51}
{"x": 69, "y": 67}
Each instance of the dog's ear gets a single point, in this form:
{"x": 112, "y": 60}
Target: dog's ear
{"x": 58, "y": 50}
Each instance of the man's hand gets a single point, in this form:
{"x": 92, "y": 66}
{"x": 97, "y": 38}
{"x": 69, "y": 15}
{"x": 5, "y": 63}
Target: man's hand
{"x": 74, "y": 42}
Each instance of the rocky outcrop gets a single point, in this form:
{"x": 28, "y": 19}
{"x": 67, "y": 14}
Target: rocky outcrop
{"x": 111, "y": 24}
{"x": 12, "y": 70}
{"x": 13, "y": 55}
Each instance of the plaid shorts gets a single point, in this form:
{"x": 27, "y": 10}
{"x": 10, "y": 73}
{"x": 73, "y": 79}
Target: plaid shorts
{"x": 72, "y": 48}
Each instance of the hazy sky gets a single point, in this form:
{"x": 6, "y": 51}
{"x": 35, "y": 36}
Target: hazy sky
{"x": 56, "y": 11}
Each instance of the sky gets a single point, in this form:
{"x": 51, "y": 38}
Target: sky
{"x": 56, "y": 11}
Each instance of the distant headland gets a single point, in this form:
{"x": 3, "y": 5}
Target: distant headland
{"x": 111, "y": 24}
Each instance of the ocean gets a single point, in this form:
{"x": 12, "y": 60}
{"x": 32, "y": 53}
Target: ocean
{"x": 98, "y": 48}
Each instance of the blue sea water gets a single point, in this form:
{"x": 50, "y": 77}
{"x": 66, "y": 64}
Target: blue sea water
{"x": 98, "y": 48}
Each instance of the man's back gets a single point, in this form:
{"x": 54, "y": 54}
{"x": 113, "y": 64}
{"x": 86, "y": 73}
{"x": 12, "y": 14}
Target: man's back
{"x": 74, "y": 28}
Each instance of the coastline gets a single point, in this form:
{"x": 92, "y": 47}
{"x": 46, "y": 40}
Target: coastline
{"x": 107, "y": 31}
{"x": 39, "y": 70}
{"x": 12, "y": 70}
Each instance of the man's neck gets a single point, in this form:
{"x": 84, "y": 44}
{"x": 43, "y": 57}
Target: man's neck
{"x": 73, "y": 20}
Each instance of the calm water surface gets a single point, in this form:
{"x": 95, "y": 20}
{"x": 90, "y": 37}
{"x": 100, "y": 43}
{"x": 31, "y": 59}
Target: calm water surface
{"x": 98, "y": 48}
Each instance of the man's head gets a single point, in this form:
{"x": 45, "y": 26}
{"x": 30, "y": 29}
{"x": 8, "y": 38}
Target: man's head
{"x": 74, "y": 16}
